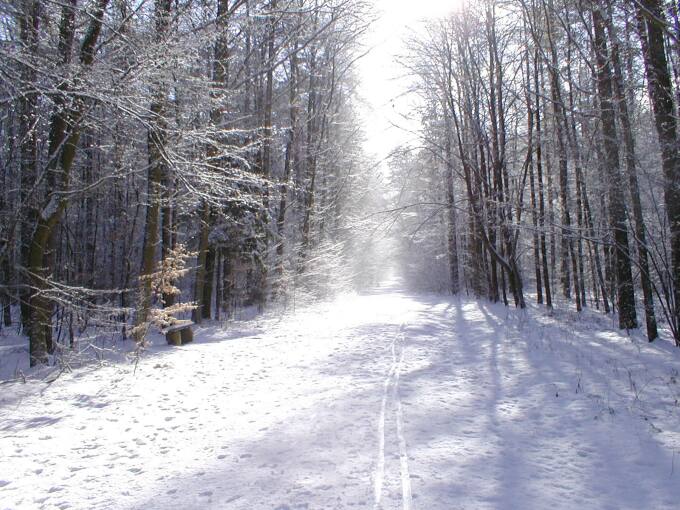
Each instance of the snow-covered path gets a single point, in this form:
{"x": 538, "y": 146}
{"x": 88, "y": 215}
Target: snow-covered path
{"x": 381, "y": 400}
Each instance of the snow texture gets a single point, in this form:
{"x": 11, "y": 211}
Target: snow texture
{"x": 378, "y": 400}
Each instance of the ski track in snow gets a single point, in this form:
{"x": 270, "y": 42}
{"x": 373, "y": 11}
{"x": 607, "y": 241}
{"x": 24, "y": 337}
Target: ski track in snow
{"x": 403, "y": 455}
{"x": 381, "y": 400}
{"x": 379, "y": 474}
{"x": 392, "y": 383}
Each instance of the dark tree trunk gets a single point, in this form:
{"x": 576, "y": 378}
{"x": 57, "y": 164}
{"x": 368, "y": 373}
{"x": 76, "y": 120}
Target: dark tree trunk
{"x": 452, "y": 242}
{"x": 203, "y": 244}
{"x": 661, "y": 93}
{"x": 206, "y": 309}
{"x": 156, "y": 140}
{"x": 625, "y": 290}
{"x": 291, "y": 163}
{"x": 539, "y": 177}
{"x": 219, "y": 284}
{"x": 560, "y": 123}
{"x": 29, "y": 27}
{"x": 630, "y": 158}
{"x": 220, "y": 76}
{"x": 168, "y": 238}
{"x": 310, "y": 161}
{"x": 63, "y": 140}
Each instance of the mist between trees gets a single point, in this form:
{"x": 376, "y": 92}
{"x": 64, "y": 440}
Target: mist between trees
{"x": 164, "y": 159}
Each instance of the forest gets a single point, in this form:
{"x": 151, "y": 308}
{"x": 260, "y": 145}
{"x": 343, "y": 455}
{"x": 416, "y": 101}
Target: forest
{"x": 549, "y": 156}
{"x": 225, "y": 137}
{"x": 218, "y": 290}
{"x": 142, "y": 137}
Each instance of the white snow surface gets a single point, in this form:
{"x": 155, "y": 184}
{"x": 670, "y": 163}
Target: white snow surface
{"x": 376, "y": 400}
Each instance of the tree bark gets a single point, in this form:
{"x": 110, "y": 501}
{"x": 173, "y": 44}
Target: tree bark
{"x": 291, "y": 162}
{"x": 539, "y": 178}
{"x": 452, "y": 242}
{"x": 560, "y": 123}
{"x": 156, "y": 139}
{"x": 199, "y": 282}
{"x": 220, "y": 77}
{"x": 631, "y": 170}
{"x": 661, "y": 94}
{"x": 64, "y": 136}
{"x": 29, "y": 28}
{"x": 625, "y": 290}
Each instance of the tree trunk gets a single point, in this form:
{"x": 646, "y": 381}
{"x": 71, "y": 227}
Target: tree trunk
{"x": 156, "y": 140}
{"x": 630, "y": 159}
{"x": 452, "y": 242}
{"x": 29, "y": 27}
{"x": 576, "y": 253}
{"x": 559, "y": 123}
{"x": 219, "y": 284}
{"x": 206, "y": 309}
{"x": 291, "y": 162}
{"x": 310, "y": 160}
{"x": 539, "y": 177}
{"x": 199, "y": 282}
{"x": 267, "y": 150}
{"x": 168, "y": 239}
{"x": 661, "y": 94}
{"x": 64, "y": 136}
{"x": 220, "y": 76}
{"x": 617, "y": 208}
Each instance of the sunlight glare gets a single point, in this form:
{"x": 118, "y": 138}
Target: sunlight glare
{"x": 386, "y": 119}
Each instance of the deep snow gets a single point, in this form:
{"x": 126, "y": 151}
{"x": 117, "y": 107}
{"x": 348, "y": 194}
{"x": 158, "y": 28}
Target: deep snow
{"x": 376, "y": 400}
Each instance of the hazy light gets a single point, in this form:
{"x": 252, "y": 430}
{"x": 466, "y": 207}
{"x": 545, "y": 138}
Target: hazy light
{"x": 386, "y": 119}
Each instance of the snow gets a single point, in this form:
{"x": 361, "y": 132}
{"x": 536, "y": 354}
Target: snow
{"x": 376, "y": 400}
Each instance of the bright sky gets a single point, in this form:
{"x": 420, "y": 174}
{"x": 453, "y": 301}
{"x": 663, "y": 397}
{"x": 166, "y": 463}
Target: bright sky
{"x": 381, "y": 86}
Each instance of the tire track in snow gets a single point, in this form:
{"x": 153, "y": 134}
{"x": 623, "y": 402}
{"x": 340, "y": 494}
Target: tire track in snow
{"x": 392, "y": 380}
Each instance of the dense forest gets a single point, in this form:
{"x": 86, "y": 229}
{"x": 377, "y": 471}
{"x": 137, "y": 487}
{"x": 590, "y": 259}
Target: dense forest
{"x": 548, "y": 160}
{"x": 173, "y": 157}
{"x": 165, "y": 159}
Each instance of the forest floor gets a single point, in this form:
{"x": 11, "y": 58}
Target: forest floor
{"x": 375, "y": 400}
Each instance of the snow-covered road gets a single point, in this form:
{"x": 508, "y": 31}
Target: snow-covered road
{"x": 380, "y": 400}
